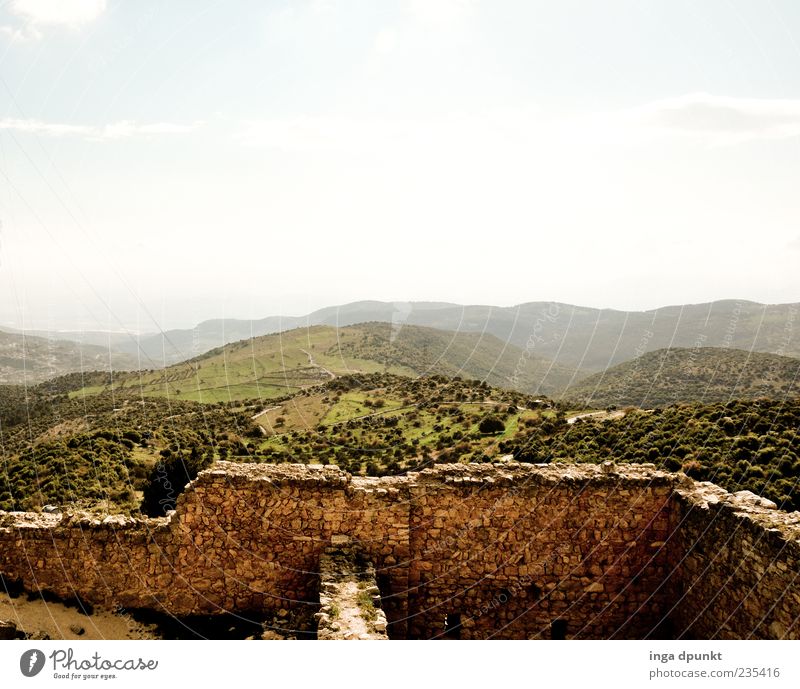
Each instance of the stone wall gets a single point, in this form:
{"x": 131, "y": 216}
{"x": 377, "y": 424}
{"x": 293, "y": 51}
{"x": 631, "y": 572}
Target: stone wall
{"x": 504, "y": 550}
{"x": 737, "y": 566}
{"x": 509, "y": 551}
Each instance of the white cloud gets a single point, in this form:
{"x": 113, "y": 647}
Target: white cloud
{"x": 21, "y": 33}
{"x": 64, "y": 12}
{"x": 118, "y": 130}
{"x": 720, "y": 120}
{"x": 128, "y": 128}
{"x": 385, "y": 41}
{"x": 696, "y": 119}
{"x": 441, "y": 12}
{"x": 38, "y": 127}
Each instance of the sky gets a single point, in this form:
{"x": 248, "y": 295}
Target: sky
{"x": 166, "y": 163}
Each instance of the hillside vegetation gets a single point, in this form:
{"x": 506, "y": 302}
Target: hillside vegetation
{"x": 275, "y": 365}
{"x": 116, "y": 452}
{"x": 752, "y": 445}
{"x": 381, "y": 424}
{"x": 576, "y": 337}
{"x": 124, "y": 452}
{"x": 106, "y": 452}
{"x": 29, "y": 359}
{"x": 705, "y": 374}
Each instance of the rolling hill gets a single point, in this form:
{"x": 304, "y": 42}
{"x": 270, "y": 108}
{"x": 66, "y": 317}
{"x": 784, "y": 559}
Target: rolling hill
{"x": 705, "y": 374}
{"x": 739, "y": 445}
{"x": 121, "y": 452}
{"x": 124, "y": 452}
{"x": 573, "y": 336}
{"x": 280, "y": 364}
{"x": 29, "y": 359}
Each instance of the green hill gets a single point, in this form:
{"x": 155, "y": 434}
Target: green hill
{"x": 123, "y": 452}
{"x": 577, "y": 337}
{"x": 28, "y": 359}
{"x": 739, "y": 445}
{"x": 280, "y": 364}
{"x": 705, "y": 374}
{"x": 383, "y": 424}
{"x": 428, "y": 351}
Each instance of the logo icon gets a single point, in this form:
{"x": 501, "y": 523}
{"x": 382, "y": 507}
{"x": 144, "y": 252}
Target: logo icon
{"x": 31, "y": 662}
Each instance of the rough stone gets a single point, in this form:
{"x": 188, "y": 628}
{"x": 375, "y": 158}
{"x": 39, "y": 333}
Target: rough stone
{"x": 8, "y": 630}
{"x": 478, "y": 551}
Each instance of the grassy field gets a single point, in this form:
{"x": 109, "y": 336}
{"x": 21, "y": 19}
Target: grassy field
{"x": 113, "y": 451}
{"x": 393, "y": 428}
{"x": 274, "y": 366}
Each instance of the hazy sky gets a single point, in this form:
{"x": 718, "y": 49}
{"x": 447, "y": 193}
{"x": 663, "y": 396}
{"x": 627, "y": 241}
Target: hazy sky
{"x": 187, "y": 160}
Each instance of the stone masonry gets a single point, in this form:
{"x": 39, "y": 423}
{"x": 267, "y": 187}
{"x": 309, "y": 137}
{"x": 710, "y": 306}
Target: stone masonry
{"x": 503, "y": 550}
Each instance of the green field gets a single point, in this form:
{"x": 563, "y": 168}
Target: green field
{"x": 277, "y": 365}
{"x": 394, "y": 428}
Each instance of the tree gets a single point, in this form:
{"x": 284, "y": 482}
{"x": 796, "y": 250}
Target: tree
{"x": 168, "y": 479}
{"x": 491, "y": 424}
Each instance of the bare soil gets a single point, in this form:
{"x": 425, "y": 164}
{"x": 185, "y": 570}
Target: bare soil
{"x": 59, "y": 621}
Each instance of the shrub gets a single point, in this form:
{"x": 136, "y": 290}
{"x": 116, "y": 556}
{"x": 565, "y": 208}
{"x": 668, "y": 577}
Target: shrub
{"x": 491, "y": 424}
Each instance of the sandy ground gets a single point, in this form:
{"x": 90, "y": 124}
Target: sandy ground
{"x": 55, "y": 619}
{"x": 600, "y": 415}
{"x": 350, "y": 612}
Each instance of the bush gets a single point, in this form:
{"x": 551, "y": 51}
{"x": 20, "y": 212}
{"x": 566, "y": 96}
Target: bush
{"x": 491, "y": 424}
{"x": 168, "y": 480}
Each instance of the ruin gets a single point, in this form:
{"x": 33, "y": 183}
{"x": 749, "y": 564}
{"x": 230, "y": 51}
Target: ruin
{"x": 472, "y": 551}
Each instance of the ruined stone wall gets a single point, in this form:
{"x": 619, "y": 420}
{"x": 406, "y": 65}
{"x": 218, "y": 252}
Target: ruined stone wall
{"x": 474, "y": 551}
{"x": 737, "y": 566}
{"x": 510, "y": 552}
{"x": 115, "y": 561}
{"x": 242, "y": 538}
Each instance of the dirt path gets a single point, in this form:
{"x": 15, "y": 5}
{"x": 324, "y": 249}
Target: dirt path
{"x": 350, "y": 612}
{"x": 59, "y": 621}
{"x": 262, "y": 412}
{"x": 313, "y": 363}
{"x": 599, "y": 415}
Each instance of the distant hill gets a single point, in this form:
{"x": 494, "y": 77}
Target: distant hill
{"x": 470, "y": 355}
{"x": 573, "y": 336}
{"x": 706, "y": 374}
{"x": 173, "y": 346}
{"x": 30, "y": 359}
{"x": 101, "y": 338}
{"x": 561, "y": 337}
{"x": 276, "y": 365}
